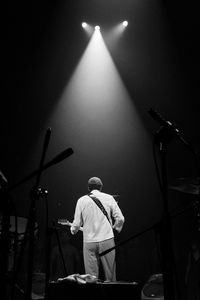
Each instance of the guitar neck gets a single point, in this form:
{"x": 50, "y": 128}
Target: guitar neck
{"x": 67, "y": 223}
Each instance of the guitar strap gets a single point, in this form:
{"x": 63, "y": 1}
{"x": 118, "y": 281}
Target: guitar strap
{"x": 100, "y": 205}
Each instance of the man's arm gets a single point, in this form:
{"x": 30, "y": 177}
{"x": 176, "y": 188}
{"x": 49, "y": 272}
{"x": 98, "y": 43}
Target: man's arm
{"x": 77, "y": 222}
{"x": 118, "y": 217}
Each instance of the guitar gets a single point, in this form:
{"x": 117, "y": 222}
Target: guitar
{"x": 68, "y": 223}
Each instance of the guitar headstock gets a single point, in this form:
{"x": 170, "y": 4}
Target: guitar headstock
{"x": 64, "y": 222}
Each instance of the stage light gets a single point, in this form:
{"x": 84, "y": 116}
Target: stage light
{"x": 125, "y": 23}
{"x": 97, "y": 27}
{"x": 115, "y": 33}
{"x": 88, "y": 29}
{"x": 84, "y": 24}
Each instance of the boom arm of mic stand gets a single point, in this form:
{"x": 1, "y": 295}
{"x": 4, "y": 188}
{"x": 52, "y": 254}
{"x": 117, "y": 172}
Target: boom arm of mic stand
{"x": 64, "y": 154}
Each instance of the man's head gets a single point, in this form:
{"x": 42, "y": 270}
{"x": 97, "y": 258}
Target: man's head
{"x": 95, "y": 183}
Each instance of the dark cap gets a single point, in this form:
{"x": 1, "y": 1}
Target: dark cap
{"x": 95, "y": 183}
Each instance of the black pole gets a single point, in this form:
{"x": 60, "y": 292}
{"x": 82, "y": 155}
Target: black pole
{"x": 6, "y": 206}
{"x": 166, "y": 244}
{"x": 49, "y": 232}
{"x": 34, "y": 195}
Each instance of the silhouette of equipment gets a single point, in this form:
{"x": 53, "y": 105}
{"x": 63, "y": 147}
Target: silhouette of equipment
{"x": 7, "y": 208}
{"x": 162, "y": 137}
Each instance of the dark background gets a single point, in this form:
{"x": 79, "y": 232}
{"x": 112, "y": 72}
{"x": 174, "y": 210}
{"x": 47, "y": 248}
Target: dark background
{"x": 158, "y": 61}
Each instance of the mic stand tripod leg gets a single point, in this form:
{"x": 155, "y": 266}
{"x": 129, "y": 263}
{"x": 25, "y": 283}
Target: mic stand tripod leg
{"x": 60, "y": 250}
{"x": 49, "y": 233}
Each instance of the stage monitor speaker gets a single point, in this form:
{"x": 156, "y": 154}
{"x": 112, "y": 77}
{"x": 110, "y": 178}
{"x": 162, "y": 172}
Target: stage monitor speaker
{"x": 153, "y": 289}
{"x": 91, "y": 291}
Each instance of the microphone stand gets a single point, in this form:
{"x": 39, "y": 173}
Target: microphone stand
{"x": 58, "y": 158}
{"x": 162, "y": 138}
{"x": 34, "y": 195}
{"x": 6, "y": 207}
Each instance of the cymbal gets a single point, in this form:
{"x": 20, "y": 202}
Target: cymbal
{"x": 186, "y": 185}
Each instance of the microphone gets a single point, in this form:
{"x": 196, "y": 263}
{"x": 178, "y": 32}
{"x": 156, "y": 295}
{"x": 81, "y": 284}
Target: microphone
{"x": 157, "y": 117}
{"x": 169, "y": 128}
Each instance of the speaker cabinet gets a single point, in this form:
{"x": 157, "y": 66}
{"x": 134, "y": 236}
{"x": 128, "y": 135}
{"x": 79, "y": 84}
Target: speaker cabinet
{"x": 91, "y": 291}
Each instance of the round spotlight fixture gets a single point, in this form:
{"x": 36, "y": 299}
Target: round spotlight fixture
{"x": 97, "y": 27}
{"x": 84, "y": 24}
{"x": 125, "y": 23}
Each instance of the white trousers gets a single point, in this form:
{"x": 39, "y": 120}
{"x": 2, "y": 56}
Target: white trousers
{"x": 92, "y": 259}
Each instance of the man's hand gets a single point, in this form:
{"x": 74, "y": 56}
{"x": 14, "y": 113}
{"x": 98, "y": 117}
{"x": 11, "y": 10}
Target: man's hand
{"x": 116, "y": 228}
{"x": 118, "y": 225}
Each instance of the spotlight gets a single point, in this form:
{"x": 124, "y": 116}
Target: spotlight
{"x": 125, "y": 23}
{"x": 97, "y": 27}
{"x": 84, "y": 24}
